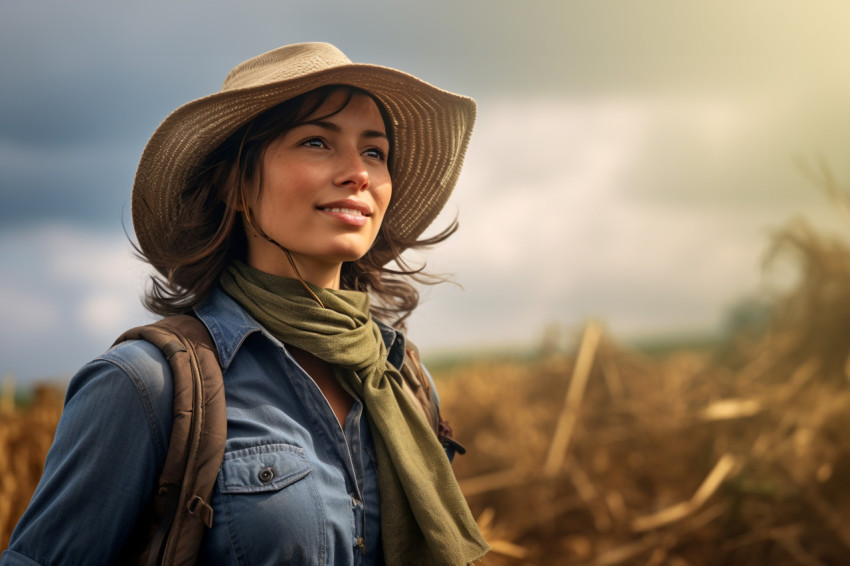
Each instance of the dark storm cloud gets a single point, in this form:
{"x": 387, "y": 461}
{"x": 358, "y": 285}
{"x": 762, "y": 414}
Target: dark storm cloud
{"x": 99, "y": 106}
{"x": 85, "y": 83}
{"x": 81, "y": 184}
{"x": 70, "y": 142}
{"x": 76, "y": 107}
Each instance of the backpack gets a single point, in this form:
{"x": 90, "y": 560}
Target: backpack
{"x": 171, "y": 528}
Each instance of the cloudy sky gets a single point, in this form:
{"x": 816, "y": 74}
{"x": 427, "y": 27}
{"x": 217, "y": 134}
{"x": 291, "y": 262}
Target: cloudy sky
{"x": 630, "y": 160}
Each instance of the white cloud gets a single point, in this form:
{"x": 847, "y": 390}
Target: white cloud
{"x": 649, "y": 212}
{"x": 108, "y": 277}
{"x": 65, "y": 294}
{"x": 24, "y": 314}
{"x": 104, "y": 314}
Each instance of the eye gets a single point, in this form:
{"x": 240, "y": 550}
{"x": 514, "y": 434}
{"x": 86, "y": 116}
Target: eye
{"x": 376, "y": 153}
{"x": 314, "y": 142}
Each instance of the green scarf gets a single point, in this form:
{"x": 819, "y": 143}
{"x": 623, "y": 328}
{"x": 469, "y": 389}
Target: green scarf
{"x": 424, "y": 516}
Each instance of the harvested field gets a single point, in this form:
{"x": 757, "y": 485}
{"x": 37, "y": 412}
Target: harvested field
{"x": 734, "y": 457}
{"x": 25, "y": 437}
{"x": 604, "y": 455}
{"x": 656, "y": 461}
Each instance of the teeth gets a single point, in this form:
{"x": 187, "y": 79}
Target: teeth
{"x": 350, "y": 211}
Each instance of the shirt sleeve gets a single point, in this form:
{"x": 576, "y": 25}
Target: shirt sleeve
{"x": 104, "y": 462}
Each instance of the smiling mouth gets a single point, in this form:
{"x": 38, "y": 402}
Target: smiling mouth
{"x": 350, "y": 211}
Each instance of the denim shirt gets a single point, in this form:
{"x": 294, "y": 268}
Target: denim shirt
{"x": 320, "y": 507}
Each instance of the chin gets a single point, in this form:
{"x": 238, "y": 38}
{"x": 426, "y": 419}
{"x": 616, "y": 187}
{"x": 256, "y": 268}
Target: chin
{"x": 349, "y": 257}
{"x": 348, "y": 252}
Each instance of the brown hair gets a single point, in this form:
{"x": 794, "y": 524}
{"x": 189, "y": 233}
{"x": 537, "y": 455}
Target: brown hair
{"x": 207, "y": 233}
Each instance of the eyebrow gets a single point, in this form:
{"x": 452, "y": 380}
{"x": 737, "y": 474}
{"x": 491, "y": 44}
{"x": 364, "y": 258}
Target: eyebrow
{"x": 335, "y": 128}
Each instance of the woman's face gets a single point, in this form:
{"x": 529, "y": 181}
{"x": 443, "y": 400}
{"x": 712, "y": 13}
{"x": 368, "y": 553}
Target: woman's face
{"x": 325, "y": 187}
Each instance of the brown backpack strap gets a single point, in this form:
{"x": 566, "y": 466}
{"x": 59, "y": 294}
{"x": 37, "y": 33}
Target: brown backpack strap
{"x": 171, "y": 531}
{"x": 418, "y": 385}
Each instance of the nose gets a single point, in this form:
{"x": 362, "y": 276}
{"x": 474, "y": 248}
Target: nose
{"x": 352, "y": 173}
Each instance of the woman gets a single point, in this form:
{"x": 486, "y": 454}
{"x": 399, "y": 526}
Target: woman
{"x": 271, "y": 210}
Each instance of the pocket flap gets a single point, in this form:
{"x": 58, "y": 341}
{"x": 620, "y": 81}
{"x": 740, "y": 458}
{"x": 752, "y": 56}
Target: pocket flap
{"x": 263, "y": 468}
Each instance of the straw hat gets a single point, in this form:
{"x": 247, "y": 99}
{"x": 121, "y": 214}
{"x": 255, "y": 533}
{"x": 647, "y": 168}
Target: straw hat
{"x": 431, "y": 129}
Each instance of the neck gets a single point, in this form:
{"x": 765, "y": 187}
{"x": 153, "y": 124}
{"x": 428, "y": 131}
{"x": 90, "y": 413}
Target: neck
{"x": 322, "y": 274}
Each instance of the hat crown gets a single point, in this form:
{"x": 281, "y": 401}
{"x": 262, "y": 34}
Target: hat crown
{"x": 284, "y": 63}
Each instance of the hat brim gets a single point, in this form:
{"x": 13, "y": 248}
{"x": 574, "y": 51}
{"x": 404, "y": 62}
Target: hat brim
{"x": 431, "y": 130}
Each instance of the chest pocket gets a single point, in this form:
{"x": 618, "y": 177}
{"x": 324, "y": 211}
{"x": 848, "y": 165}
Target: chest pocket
{"x": 270, "y": 467}
{"x": 271, "y": 512}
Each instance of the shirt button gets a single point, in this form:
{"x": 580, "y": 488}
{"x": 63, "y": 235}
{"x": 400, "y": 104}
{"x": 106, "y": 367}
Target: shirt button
{"x": 266, "y": 475}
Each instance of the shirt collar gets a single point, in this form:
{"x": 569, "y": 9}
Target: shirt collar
{"x": 230, "y": 325}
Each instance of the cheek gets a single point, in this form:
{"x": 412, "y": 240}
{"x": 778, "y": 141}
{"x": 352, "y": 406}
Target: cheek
{"x": 280, "y": 194}
{"x": 383, "y": 197}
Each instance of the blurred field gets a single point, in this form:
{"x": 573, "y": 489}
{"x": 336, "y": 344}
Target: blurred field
{"x": 25, "y": 436}
{"x": 734, "y": 455}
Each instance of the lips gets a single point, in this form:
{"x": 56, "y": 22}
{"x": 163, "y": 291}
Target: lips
{"x": 351, "y": 211}
{"x": 348, "y": 212}
{"x": 348, "y": 206}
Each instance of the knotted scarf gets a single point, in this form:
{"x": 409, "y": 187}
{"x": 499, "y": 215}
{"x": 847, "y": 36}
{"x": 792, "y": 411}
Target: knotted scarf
{"x": 424, "y": 516}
